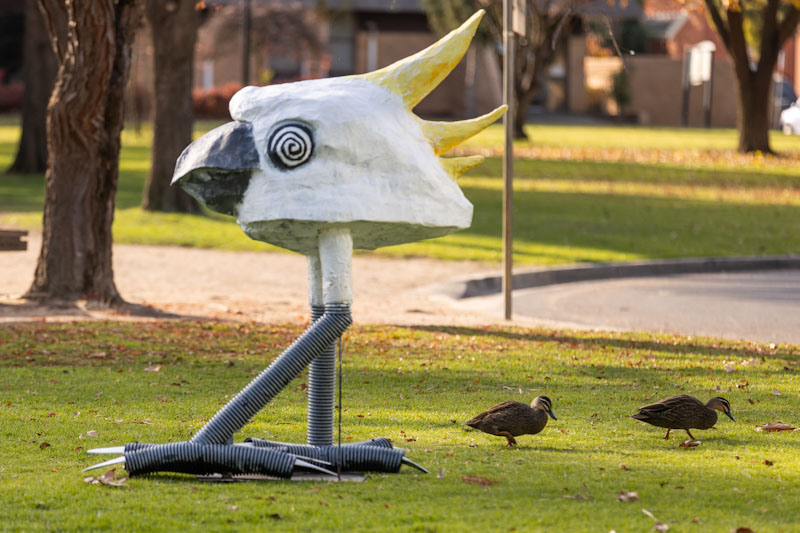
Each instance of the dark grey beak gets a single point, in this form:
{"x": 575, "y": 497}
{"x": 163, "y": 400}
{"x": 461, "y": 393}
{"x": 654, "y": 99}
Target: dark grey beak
{"x": 730, "y": 416}
{"x": 216, "y": 168}
{"x": 550, "y": 412}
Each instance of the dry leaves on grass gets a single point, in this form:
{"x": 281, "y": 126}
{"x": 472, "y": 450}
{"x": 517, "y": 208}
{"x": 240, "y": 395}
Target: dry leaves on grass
{"x": 628, "y": 496}
{"x": 659, "y": 526}
{"x": 775, "y": 426}
{"x": 109, "y": 478}
{"x": 474, "y": 479}
{"x": 689, "y": 444}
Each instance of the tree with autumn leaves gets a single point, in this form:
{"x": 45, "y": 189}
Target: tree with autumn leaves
{"x": 754, "y": 31}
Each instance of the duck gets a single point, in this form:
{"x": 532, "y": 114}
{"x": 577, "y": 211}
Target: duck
{"x": 684, "y": 412}
{"x": 511, "y": 419}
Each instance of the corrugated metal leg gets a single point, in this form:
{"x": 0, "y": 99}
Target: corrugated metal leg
{"x": 321, "y": 391}
{"x": 275, "y": 377}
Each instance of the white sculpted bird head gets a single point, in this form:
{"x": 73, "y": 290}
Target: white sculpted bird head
{"x": 307, "y": 156}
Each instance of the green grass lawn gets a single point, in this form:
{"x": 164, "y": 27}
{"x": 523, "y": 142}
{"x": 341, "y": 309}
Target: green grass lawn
{"x": 582, "y": 193}
{"x": 415, "y": 386}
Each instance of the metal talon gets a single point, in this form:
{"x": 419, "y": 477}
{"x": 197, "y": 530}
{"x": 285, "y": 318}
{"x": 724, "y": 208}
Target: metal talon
{"x": 313, "y": 459}
{"x": 409, "y": 462}
{"x": 304, "y": 464}
{"x": 110, "y": 449}
{"x": 110, "y": 462}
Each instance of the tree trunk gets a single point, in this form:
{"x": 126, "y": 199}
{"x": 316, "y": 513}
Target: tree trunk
{"x": 753, "y": 117}
{"x": 39, "y": 66}
{"x": 83, "y": 139}
{"x": 173, "y": 25}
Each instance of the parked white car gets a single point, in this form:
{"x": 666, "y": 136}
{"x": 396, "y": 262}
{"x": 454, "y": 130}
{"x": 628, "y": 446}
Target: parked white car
{"x": 790, "y": 119}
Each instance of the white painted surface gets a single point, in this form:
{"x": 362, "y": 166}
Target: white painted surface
{"x": 314, "y": 280}
{"x": 336, "y": 258}
{"x": 372, "y": 170}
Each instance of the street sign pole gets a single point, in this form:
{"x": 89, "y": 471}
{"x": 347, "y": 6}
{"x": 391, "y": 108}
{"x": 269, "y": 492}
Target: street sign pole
{"x": 508, "y": 159}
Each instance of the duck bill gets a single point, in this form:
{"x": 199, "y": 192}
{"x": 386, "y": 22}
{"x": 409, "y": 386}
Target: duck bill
{"x": 216, "y": 168}
{"x": 730, "y": 416}
{"x": 550, "y": 412}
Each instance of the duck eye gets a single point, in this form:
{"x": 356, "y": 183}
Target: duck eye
{"x": 290, "y": 145}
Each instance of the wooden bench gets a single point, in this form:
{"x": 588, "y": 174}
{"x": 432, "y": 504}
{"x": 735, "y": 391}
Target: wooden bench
{"x": 12, "y": 240}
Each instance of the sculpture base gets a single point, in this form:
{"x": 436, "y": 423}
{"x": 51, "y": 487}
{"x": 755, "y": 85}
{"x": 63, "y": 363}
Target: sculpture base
{"x": 297, "y": 476}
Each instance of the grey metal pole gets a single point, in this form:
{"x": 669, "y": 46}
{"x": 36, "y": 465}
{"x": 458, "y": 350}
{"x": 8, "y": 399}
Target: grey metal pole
{"x": 246, "y": 18}
{"x": 685, "y": 89}
{"x": 508, "y": 159}
{"x": 707, "y": 93}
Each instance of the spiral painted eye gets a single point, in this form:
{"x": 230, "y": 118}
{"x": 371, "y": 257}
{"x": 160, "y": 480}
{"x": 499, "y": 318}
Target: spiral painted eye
{"x": 290, "y": 145}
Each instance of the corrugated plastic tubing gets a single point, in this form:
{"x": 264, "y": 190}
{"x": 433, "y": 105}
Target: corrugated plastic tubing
{"x": 380, "y": 442}
{"x": 208, "y": 452}
{"x": 201, "y": 459}
{"x": 321, "y": 391}
{"x": 238, "y": 412}
{"x": 354, "y": 457}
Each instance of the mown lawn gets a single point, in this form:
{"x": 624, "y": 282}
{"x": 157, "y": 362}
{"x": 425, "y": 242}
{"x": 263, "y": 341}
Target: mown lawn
{"x": 415, "y": 386}
{"x": 582, "y": 193}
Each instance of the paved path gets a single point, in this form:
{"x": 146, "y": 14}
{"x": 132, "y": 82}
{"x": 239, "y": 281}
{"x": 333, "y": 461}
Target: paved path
{"x": 760, "y": 306}
{"x": 270, "y": 287}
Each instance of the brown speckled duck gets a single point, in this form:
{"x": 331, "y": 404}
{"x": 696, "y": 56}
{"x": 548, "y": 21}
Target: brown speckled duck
{"x": 511, "y": 419}
{"x": 684, "y": 412}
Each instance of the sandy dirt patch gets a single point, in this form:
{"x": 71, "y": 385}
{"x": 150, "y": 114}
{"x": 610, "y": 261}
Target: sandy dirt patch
{"x": 249, "y": 286}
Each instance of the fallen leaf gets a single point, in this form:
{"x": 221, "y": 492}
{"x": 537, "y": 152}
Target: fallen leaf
{"x": 729, "y": 368}
{"x": 742, "y": 530}
{"x": 153, "y": 368}
{"x": 775, "y": 426}
{"x": 776, "y": 393}
{"x": 44, "y": 445}
{"x": 624, "y": 466}
{"x": 689, "y": 444}
{"x": 97, "y": 355}
{"x": 474, "y": 479}
{"x": 440, "y": 475}
{"x": 768, "y": 462}
{"x": 625, "y": 496}
{"x": 660, "y": 526}
{"x": 276, "y": 516}
{"x": 110, "y": 479}
{"x": 91, "y": 433}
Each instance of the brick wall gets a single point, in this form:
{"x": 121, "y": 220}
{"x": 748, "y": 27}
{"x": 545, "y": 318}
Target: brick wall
{"x": 655, "y": 83}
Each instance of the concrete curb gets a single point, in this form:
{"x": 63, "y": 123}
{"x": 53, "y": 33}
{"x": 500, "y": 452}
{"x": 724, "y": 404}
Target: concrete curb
{"x": 539, "y": 277}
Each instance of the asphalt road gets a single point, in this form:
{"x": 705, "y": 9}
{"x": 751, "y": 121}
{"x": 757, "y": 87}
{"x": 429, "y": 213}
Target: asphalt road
{"x": 757, "y": 306}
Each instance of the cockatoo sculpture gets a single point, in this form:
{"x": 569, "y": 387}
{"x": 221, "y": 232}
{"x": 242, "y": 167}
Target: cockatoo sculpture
{"x": 321, "y": 167}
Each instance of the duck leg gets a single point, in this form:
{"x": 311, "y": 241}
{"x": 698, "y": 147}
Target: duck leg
{"x": 509, "y": 437}
{"x": 690, "y": 434}
{"x": 666, "y": 437}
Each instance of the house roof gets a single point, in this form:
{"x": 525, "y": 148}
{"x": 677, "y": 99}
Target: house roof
{"x": 379, "y": 6}
{"x": 614, "y": 9}
{"x": 664, "y": 27}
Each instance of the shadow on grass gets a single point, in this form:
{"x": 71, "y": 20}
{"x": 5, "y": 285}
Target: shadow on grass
{"x": 620, "y": 171}
{"x": 678, "y": 345}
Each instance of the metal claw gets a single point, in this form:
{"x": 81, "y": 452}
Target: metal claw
{"x": 313, "y": 459}
{"x": 110, "y": 449}
{"x": 110, "y": 462}
{"x": 300, "y": 462}
{"x": 409, "y": 462}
